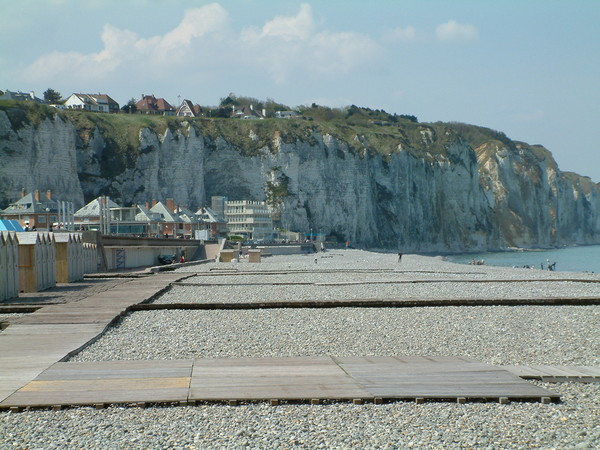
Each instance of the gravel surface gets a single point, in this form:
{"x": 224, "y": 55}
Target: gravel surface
{"x": 494, "y": 334}
{"x": 241, "y": 292}
{"x": 571, "y": 424}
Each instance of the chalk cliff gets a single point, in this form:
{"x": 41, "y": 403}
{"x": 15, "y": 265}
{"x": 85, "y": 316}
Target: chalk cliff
{"x": 419, "y": 187}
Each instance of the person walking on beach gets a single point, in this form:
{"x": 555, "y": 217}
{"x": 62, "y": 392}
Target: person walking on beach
{"x": 399, "y": 256}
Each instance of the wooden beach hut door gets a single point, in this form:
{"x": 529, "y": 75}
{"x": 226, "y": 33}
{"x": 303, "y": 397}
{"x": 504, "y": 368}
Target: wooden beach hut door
{"x": 27, "y": 263}
{"x": 51, "y": 261}
{"x": 13, "y": 261}
{"x": 12, "y": 265}
{"x": 4, "y": 289}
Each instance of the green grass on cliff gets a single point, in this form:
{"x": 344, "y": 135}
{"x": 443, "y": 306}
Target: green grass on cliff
{"x": 22, "y": 114}
{"x": 364, "y": 131}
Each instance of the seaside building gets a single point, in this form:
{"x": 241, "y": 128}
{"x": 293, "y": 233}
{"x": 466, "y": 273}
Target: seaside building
{"x": 250, "y": 219}
{"x": 37, "y": 211}
{"x": 214, "y": 223}
{"x": 102, "y": 214}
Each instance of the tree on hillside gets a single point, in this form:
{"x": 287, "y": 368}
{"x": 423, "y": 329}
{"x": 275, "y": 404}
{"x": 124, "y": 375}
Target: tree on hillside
{"x": 130, "y": 107}
{"x": 51, "y": 96}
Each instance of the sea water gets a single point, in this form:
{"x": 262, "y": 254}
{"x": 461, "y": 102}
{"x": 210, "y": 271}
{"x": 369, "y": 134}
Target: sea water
{"x": 571, "y": 259}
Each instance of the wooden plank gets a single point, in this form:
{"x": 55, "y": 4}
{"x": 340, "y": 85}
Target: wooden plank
{"x": 290, "y": 392}
{"x": 118, "y": 370}
{"x": 563, "y": 372}
{"x": 589, "y": 371}
{"x": 271, "y": 378}
{"x": 310, "y": 379}
{"x": 448, "y": 377}
{"x": 560, "y": 371}
{"x": 34, "y": 399}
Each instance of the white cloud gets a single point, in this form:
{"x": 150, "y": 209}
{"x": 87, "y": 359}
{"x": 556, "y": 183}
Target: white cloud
{"x": 454, "y": 31}
{"x": 406, "y": 34}
{"x": 124, "y": 50}
{"x": 300, "y": 26}
{"x": 203, "y": 43}
{"x": 291, "y": 44}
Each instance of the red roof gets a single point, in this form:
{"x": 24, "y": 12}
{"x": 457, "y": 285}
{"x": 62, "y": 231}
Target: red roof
{"x": 151, "y": 103}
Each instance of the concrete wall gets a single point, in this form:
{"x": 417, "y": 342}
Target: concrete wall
{"x": 144, "y": 256}
{"x": 286, "y": 249}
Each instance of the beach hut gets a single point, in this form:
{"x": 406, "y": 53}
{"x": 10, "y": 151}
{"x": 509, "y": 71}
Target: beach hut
{"x": 9, "y": 270}
{"x": 49, "y": 258}
{"x": 79, "y": 256}
{"x": 90, "y": 258}
{"x": 69, "y": 258}
{"x": 36, "y": 262}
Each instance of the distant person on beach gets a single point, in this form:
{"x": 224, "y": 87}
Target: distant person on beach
{"x": 399, "y": 256}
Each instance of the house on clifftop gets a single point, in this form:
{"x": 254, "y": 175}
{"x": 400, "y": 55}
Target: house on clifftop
{"x": 20, "y": 96}
{"x": 149, "y": 104}
{"x": 92, "y": 102}
{"x": 187, "y": 109}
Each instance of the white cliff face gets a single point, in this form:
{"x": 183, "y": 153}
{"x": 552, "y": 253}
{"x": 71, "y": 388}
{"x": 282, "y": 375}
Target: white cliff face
{"x": 435, "y": 195}
{"x": 532, "y": 202}
{"x": 41, "y": 157}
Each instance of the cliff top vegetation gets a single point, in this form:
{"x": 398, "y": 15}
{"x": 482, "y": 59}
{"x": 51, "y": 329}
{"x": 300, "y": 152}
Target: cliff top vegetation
{"x": 366, "y": 131}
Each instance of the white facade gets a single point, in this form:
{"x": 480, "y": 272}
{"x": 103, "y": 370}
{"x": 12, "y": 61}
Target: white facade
{"x": 76, "y": 101}
{"x": 249, "y": 218}
{"x": 91, "y": 102}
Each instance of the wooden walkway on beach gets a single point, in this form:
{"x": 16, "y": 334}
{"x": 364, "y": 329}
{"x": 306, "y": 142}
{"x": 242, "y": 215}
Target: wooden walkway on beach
{"x": 31, "y": 374}
{"x": 556, "y": 374}
{"x": 53, "y": 332}
{"x": 305, "y": 379}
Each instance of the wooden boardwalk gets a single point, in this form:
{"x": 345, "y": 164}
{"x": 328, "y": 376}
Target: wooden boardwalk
{"x": 31, "y": 374}
{"x": 556, "y": 374}
{"x": 308, "y": 379}
{"x": 54, "y": 332}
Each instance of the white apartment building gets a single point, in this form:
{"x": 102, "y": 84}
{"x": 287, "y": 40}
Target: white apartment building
{"x": 250, "y": 219}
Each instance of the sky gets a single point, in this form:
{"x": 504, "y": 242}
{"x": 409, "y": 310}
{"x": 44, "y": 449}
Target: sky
{"x": 528, "y": 68}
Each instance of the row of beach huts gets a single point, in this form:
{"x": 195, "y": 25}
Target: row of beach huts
{"x": 34, "y": 261}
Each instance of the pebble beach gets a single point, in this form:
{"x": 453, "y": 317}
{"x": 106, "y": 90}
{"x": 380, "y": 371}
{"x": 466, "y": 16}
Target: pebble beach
{"x": 518, "y": 335}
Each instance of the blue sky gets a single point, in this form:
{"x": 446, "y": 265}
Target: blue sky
{"x": 529, "y": 68}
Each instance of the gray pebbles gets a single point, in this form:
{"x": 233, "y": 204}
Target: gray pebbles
{"x": 561, "y": 335}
